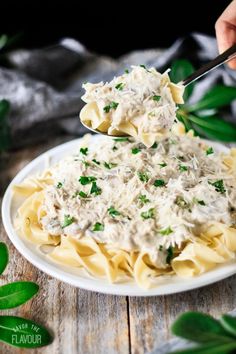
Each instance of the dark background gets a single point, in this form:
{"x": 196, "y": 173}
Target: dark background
{"x": 111, "y": 28}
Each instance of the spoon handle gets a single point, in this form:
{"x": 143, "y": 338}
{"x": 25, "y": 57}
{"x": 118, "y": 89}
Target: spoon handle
{"x": 220, "y": 59}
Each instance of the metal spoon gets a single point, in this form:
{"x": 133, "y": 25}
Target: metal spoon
{"x": 220, "y": 59}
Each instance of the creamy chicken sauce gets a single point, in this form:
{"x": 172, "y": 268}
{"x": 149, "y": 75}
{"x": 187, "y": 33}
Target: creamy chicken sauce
{"x": 141, "y": 96}
{"x": 130, "y": 197}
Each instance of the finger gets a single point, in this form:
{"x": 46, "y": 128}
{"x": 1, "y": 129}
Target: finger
{"x": 226, "y": 37}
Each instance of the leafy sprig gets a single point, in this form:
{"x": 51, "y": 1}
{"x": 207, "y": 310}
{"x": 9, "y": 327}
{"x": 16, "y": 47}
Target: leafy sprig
{"x": 211, "y": 336}
{"x": 13, "y": 328}
{"x": 203, "y": 117}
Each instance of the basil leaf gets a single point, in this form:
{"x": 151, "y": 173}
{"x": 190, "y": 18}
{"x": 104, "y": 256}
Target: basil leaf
{"x": 214, "y": 128}
{"x": 180, "y": 69}
{"x": 16, "y": 294}
{"x": 218, "y": 96}
{"x": 3, "y": 41}
{"x": 23, "y": 333}
{"x": 4, "y": 257}
{"x": 229, "y": 324}
{"x": 182, "y": 118}
{"x": 216, "y": 348}
{"x": 200, "y": 328}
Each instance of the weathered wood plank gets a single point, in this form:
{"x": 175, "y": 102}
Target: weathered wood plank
{"x": 151, "y": 318}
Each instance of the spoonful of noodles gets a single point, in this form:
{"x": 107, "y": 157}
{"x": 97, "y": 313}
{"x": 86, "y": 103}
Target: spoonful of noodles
{"x": 141, "y": 103}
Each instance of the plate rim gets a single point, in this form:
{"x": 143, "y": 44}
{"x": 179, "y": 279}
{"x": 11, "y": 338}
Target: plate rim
{"x": 52, "y": 269}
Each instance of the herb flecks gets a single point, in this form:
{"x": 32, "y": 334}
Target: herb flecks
{"x": 59, "y": 185}
{"x": 120, "y": 86}
{"x": 113, "y": 212}
{"x": 143, "y": 176}
{"x": 112, "y": 105}
{"x": 156, "y": 98}
{"x": 86, "y": 180}
{"x": 159, "y": 183}
{"x": 82, "y": 194}
{"x": 96, "y": 162}
{"x": 219, "y": 186}
{"x": 170, "y": 255}
{"x": 143, "y": 199}
{"x": 135, "y": 150}
{"x": 120, "y": 140}
{"x": 183, "y": 168}
{"x": 95, "y": 189}
{"x": 209, "y": 151}
{"x": 162, "y": 165}
{"x": 154, "y": 146}
{"x": 110, "y": 165}
{"x": 98, "y": 227}
{"x": 68, "y": 220}
{"x": 84, "y": 151}
{"x": 149, "y": 214}
{"x": 166, "y": 232}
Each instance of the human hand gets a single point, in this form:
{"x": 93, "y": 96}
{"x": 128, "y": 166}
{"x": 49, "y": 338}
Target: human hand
{"x": 226, "y": 30}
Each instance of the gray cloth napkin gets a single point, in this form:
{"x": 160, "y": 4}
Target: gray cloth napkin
{"x": 177, "y": 343}
{"x": 44, "y": 85}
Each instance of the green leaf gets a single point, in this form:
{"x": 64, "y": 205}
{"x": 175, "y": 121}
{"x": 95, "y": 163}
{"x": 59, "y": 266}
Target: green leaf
{"x": 184, "y": 119}
{"x": 214, "y": 128}
{"x": 218, "y": 96}
{"x": 229, "y": 324}
{"x": 4, "y": 127}
{"x": 23, "y": 333}
{"x": 95, "y": 189}
{"x": 159, "y": 183}
{"x": 98, "y": 227}
{"x": 200, "y": 328}
{"x": 216, "y": 348}
{"x": 68, "y": 220}
{"x": 4, "y": 257}
{"x": 149, "y": 214}
{"x": 3, "y": 41}
{"x": 16, "y": 294}
{"x": 86, "y": 180}
{"x": 113, "y": 212}
{"x": 180, "y": 70}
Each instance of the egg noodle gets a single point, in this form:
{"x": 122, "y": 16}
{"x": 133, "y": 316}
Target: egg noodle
{"x": 120, "y": 210}
{"x": 140, "y": 103}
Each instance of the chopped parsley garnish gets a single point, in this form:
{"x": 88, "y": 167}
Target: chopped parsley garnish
{"x": 181, "y": 202}
{"x": 98, "y": 227}
{"x": 143, "y": 199}
{"x": 84, "y": 151}
{"x": 109, "y": 165}
{"x": 85, "y": 163}
{"x": 170, "y": 255}
{"x": 96, "y": 162}
{"x": 95, "y": 189}
{"x": 209, "y": 151}
{"x": 159, "y": 183}
{"x": 160, "y": 248}
{"x": 82, "y": 194}
{"x": 135, "y": 151}
{"x": 143, "y": 176}
{"x": 201, "y": 202}
{"x": 86, "y": 180}
{"x": 163, "y": 164}
{"x": 143, "y": 66}
{"x": 219, "y": 186}
{"x": 113, "y": 212}
{"x": 68, "y": 220}
{"x": 154, "y": 146}
{"x": 126, "y": 71}
{"x": 112, "y": 105}
{"x": 149, "y": 214}
{"x": 120, "y": 86}
{"x": 59, "y": 185}
{"x": 156, "y": 98}
{"x": 166, "y": 232}
{"x": 114, "y": 148}
{"x": 183, "y": 168}
{"x": 121, "y": 139}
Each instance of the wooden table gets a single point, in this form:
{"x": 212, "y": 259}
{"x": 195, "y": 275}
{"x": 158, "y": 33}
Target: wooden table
{"x": 91, "y": 323}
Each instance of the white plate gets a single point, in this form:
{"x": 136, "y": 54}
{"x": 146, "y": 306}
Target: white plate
{"x": 167, "y": 285}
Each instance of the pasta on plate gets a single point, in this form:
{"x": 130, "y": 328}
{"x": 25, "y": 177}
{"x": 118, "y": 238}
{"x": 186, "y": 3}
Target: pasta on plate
{"x": 122, "y": 211}
{"x": 140, "y": 103}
